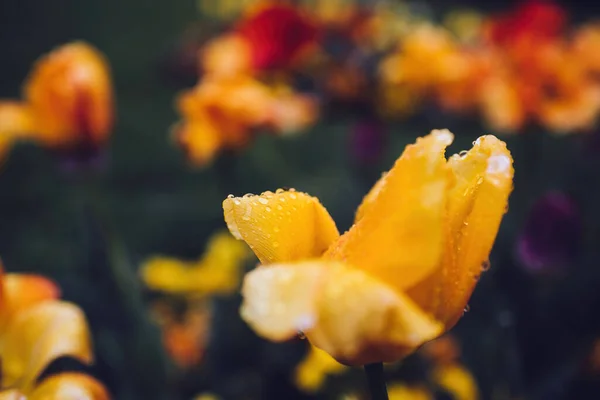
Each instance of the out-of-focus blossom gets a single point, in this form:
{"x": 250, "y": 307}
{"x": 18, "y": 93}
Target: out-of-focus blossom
{"x": 67, "y": 101}
{"x": 358, "y": 296}
{"x": 441, "y": 351}
{"x": 278, "y": 35}
{"x": 367, "y": 140}
{"x": 466, "y": 25}
{"x": 206, "y": 396}
{"x": 456, "y": 380}
{"x": 227, "y": 56}
{"x": 223, "y": 10}
{"x": 221, "y": 114}
{"x": 184, "y": 337}
{"x": 407, "y": 392}
{"x": 551, "y": 235}
{"x": 216, "y": 272}
{"x": 37, "y": 328}
{"x": 312, "y": 372}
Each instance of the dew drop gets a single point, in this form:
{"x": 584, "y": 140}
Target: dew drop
{"x": 282, "y": 199}
{"x": 463, "y": 153}
{"x": 279, "y": 191}
{"x": 301, "y": 335}
{"x": 230, "y": 196}
{"x": 275, "y": 245}
{"x": 248, "y": 195}
{"x": 467, "y": 308}
{"x": 292, "y": 196}
{"x": 279, "y": 207}
{"x": 262, "y": 200}
{"x": 268, "y": 209}
{"x": 485, "y": 266}
{"x": 292, "y": 190}
{"x": 237, "y": 202}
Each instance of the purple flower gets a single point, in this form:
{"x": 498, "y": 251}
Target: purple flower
{"x": 551, "y": 236}
{"x": 367, "y": 140}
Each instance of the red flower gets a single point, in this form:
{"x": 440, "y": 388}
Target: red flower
{"x": 532, "y": 19}
{"x": 277, "y": 34}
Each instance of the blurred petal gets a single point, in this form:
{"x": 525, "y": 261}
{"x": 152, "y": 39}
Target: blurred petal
{"x": 199, "y": 139}
{"x": 12, "y": 395}
{"x": 70, "y": 93}
{"x": 457, "y": 381}
{"x": 280, "y": 226}
{"x": 25, "y": 290}
{"x": 398, "y": 235}
{"x": 552, "y": 234}
{"x": 405, "y": 392}
{"x": 476, "y": 204}
{"x": 166, "y": 274}
{"x": 227, "y": 56}
{"x": 40, "y": 334}
{"x": 343, "y": 311}
{"x": 16, "y": 119}
{"x": 311, "y": 373}
{"x": 69, "y": 386}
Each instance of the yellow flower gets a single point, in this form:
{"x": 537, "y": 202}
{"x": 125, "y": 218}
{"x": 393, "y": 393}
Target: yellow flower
{"x": 399, "y": 277}
{"x": 216, "y": 272}
{"x": 457, "y": 381}
{"x": 405, "y": 392}
{"x": 37, "y": 328}
{"x": 313, "y": 370}
{"x": 67, "y": 100}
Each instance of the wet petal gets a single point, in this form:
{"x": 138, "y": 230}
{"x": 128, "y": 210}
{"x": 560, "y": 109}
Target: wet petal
{"x": 40, "y": 334}
{"x": 70, "y": 386}
{"x": 281, "y": 226}
{"x": 343, "y": 311}
{"x": 12, "y": 395}
{"x": 280, "y": 299}
{"x": 476, "y": 203}
{"x": 398, "y": 236}
{"x": 363, "y": 320}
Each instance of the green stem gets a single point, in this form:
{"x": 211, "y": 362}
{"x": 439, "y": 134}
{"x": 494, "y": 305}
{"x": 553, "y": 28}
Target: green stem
{"x": 376, "y": 381}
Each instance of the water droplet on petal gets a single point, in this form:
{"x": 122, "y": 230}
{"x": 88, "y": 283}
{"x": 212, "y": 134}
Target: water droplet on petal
{"x": 268, "y": 209}
{"x": 262, "y": 200}
{"x": 275, "y": 245}
{"x": 230, "y": 196}
{"x": 463, "y": 153}
{"x": 301, "y": 335}
{"x": 292, "y": 196}
{"x": 237, "y": 202}
{"x": 485, "y": 266}
{"x": 467, "y": 308}
{"x": 279, "y": 191}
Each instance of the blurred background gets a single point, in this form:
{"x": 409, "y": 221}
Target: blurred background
{"x": 340, "y": 114}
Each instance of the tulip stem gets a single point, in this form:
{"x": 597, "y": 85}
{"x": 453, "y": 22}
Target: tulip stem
{"x": 376, "y": 381}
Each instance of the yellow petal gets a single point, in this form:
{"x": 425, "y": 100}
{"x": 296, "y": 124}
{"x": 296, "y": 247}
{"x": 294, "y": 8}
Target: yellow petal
{"x": 166, "y": 274}
{"x": 348, "y": 314}
{"x": 70, "y": 386}
{"x": 16, "y": 119}
{"x": 12, "y": 395}
{"x": 24, "y": 290}
{"x": 311, "y": 373}
{"x": 199, "y": 139}
{"x": 398, "y": 236}
{"x": 280, "y": 299}
{"x": 281, "y": 226}
{"x": 482, "y": 182}
{"x": 404, "y": 392}
{"x": 458, "y": 381}
{"x": 38, "y": 335}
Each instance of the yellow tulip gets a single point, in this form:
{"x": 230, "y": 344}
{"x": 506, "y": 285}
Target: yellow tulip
{"x": 67, "y": 100}
{"x": 36, "y": 328}
{"x": 311, "y": 373}
{"x": 399, "y": 277}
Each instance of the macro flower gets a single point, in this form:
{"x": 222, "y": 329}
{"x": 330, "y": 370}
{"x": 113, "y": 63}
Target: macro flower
{"x": 35, "y": 329}
{"x": 399, "y": 277}
{"x": 67, "y": 100}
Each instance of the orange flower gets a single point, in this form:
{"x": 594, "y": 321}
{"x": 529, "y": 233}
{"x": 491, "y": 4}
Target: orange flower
{"x": 221, "y": 114}
{"x": 399, "y": 277}
{"x": 68, "y": 101}
{"x": 36, "y": 328}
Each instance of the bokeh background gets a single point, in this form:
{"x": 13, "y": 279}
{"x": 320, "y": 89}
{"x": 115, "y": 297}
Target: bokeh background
{"x": 530, "y": 329}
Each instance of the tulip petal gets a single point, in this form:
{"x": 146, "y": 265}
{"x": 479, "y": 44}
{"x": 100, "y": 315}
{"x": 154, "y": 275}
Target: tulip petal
{"x": 24, "y": 290}
{"x": 12, "y": 394}
{"x": 38, "y": 335}
{"x": 280, "y": 299}
{"x": 70, "y": 386}
{"x": 476, "y": 203}
{"x": 342, "y": 310}
{"x": 282, "y": 226}
{"x": 398, "y": 236}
